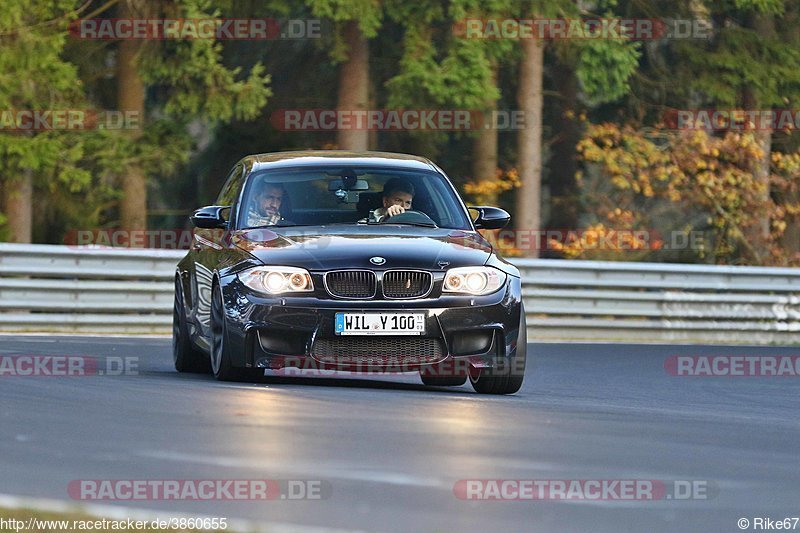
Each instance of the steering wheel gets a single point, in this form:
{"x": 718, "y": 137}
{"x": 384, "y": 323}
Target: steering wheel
{"x": 411, "y": 217}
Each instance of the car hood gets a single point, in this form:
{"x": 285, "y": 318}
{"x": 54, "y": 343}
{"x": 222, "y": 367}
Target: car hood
{"x": 327, "y": 248}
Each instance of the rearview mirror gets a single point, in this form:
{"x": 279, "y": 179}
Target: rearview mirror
{"x": 357, "y": 185}
{"x": 490, "y": 217}
{"x": 210, "y": 217}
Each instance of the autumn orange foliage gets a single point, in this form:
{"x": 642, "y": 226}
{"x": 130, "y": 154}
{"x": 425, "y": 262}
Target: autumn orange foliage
{"x": 691, "y": 172}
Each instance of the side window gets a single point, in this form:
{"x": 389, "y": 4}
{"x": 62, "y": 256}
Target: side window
{"x": 233, "y": 184}
{"x": 228, "y": 193}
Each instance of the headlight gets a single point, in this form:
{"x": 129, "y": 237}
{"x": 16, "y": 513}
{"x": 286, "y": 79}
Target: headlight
{"x": 277, "y": 279}
{"x": 473, "y": 280}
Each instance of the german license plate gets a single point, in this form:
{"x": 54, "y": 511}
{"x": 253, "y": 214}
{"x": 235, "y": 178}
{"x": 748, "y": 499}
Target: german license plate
{"x": 380, "y": 324}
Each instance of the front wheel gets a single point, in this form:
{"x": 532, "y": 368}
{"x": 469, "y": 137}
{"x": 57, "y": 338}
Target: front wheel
{"x": 506, "y": 376}
{"x": 221, "y": 365}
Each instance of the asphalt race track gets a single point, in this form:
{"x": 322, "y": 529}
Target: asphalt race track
{"x": 391, "y": 450}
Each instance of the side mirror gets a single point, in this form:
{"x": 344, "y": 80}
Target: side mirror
{"x": 210, "y": 217}
{"x": 490, "y": 217}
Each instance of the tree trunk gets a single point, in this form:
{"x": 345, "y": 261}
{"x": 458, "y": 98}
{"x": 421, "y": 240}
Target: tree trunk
{"x": 761, "y": 172}
{"x": 354, "y": 86}
{"x": 130, "y": 98}
{"x": 563, "y": 163}
{"x": 17, "y": 207}
{"x": 759, "y": 235}
{"x": 484, "y": 155}
{"x": 791, "y": 237}
{"x": 529, "y": 141}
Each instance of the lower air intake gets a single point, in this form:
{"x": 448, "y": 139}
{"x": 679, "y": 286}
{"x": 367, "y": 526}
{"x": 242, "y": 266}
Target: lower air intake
{"x": 378, "y": 351}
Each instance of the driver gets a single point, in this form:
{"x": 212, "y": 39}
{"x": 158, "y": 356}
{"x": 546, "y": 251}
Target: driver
{"x": 397, "y": 197}
{"x": 265, "y": 208}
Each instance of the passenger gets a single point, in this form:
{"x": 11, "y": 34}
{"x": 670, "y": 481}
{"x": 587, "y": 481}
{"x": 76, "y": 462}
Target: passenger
{"x": 265, "y": 208}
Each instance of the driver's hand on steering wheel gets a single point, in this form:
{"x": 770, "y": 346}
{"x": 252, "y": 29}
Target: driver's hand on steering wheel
{"x": 393, "y": 210}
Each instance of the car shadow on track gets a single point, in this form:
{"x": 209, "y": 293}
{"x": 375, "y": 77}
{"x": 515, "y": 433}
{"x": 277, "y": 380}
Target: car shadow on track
{"x": 346, "y": 382}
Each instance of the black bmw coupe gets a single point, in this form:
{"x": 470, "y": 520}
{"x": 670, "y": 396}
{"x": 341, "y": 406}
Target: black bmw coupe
{"x": 351, "y": 261}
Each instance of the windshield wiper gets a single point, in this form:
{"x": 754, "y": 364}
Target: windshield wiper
{"x": 419, "y": 224}
{"x": 267, "y": 226}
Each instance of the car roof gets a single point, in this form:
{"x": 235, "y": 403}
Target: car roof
{"x": 338, "y": 157}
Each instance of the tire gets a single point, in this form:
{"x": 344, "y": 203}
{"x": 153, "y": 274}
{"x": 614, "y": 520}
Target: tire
{"x": 506, "y": 376}
{"x": 220, "y": 355}
{"x": 185, "y": 356}
{"x": 442, "y": 375}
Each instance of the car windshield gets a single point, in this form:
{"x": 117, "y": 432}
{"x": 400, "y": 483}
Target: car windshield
{"x": 353, "y": 195}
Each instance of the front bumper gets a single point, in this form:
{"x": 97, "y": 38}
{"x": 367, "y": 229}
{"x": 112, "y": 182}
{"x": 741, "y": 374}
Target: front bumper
{"x": 276, "y": 333}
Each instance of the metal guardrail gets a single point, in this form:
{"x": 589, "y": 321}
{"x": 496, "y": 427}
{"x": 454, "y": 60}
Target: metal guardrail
{"x": 61, "y": 288}
{"x": 71, "y": 289}
{"x": 593, "y": 300}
